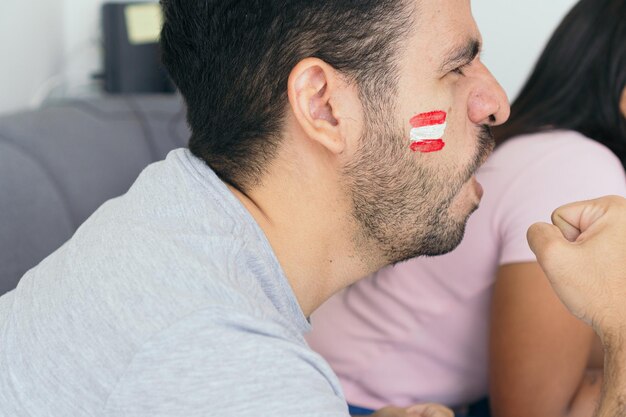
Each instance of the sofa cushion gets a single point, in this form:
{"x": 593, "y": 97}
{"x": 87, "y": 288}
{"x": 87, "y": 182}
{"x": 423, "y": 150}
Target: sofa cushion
{"x": 59, "y": 163}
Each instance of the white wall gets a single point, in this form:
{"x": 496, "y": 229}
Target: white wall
{"x": 31, "y": 45}
{"x": 58, "y": 41}
{"x": 82, "y": 44}
{"x": 48, "y": 47}
{"x": 514, "y": 33}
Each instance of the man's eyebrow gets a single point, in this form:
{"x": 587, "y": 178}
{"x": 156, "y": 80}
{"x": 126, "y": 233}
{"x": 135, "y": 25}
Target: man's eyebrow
{"x": 461, "y": 55}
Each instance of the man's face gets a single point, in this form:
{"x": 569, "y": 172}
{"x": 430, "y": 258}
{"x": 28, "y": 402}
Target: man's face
{"x": 412, "y": 177}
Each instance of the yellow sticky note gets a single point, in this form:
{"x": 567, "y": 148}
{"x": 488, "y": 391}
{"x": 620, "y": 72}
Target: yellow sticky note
{"x": 144, "y": 22}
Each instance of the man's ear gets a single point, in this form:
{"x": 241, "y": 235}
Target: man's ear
{"x": 312, "y": 86}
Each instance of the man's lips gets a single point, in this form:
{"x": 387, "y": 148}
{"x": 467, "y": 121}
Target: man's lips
{"x": 478, "y": 188}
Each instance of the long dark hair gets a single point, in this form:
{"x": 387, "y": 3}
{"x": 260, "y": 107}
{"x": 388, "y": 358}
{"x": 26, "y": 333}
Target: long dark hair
{"x": 577, "y": 83}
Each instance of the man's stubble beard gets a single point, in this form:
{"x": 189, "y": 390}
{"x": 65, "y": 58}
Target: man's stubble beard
{"x": 402, "y": 209}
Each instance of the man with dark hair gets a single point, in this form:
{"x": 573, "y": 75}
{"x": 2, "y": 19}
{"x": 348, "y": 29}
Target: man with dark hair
{"x": 329, "y": 138}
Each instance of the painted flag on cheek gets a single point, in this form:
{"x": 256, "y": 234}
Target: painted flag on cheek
{"x": 428, "y": 130}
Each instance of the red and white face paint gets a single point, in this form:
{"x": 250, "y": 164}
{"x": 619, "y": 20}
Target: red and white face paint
{"x": 428, "y": 130}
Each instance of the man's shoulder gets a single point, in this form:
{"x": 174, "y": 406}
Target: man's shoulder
{"x": 85, "y": 321}
{"x": 228, "y": 361}
{"x": 176, "y": 193}
{"x": 172, "y": 232}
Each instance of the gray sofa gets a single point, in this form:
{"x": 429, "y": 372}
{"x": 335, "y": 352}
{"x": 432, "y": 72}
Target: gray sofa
{"x": 59, "y": 163}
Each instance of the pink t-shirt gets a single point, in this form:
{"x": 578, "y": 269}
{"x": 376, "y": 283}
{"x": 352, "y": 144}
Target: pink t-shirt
{"x": 419, "y": 331}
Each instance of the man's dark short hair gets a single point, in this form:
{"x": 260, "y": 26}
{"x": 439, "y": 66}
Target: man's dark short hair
{"x": 231, "y": 61}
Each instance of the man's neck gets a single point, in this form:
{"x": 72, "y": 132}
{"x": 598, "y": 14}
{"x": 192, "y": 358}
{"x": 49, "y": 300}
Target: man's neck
{"x": 311, "y": 232}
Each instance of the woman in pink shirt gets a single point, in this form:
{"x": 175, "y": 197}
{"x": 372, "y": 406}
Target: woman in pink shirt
{"x": 483, "y": 320}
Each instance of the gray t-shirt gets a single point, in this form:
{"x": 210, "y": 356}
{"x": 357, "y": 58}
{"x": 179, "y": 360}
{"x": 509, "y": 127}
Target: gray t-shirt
{"x": 168, "y": 301}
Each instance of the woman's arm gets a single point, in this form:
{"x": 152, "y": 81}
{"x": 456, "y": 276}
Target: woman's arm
{"x": 539, "y": 352}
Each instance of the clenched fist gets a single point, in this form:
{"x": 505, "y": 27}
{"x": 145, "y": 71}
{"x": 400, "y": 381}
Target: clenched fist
{"x": 584, "y": 256}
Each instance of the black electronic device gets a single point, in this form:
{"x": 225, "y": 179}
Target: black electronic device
{"x": 132, "y": 59}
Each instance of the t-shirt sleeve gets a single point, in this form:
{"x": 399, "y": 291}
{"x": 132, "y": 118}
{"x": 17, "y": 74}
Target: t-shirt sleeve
{"x": 226, "y": 364}
{"x": 581, "y": 170}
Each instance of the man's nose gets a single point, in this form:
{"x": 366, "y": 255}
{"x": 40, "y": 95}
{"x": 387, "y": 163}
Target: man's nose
{"x": 488, "y": 103}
